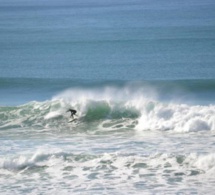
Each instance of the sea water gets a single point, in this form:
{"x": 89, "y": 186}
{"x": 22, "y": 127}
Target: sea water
{"x": 140, "y": 75}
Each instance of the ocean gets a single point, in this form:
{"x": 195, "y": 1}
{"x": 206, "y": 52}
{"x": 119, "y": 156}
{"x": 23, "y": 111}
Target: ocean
{"x": 139, "y": 73}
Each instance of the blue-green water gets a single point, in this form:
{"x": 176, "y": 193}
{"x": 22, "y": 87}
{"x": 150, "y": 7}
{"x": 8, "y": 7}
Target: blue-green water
{"x": 129, "y": 40}
{"x": 140, "y": 75}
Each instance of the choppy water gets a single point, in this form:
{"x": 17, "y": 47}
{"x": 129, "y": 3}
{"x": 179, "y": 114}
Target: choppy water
{"x": 128, "y": 136}
{"x": 140, "y": 75}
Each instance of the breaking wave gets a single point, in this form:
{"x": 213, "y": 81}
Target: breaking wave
{"x": 132, "y": 106}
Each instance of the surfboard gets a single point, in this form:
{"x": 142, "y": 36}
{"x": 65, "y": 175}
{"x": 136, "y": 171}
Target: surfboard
{"x": 73, "y": 120}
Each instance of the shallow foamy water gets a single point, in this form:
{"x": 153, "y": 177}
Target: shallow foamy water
{"x": 122, "y": 163}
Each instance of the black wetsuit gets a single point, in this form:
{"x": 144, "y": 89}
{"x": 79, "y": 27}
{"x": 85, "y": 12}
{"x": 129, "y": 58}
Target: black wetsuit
{"x": 73, "y": 112}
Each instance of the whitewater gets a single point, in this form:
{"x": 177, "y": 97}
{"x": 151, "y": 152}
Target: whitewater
{"x": 139, "y": 73}
{"x": 126, "y": 140}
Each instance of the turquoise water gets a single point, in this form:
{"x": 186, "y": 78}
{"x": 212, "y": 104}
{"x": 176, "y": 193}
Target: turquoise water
{"x": 140, "y": 75}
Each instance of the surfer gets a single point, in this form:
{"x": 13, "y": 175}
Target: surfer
{"x": 73, "y": 112}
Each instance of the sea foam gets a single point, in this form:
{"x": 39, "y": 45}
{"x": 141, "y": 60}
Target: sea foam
{"x": 140, "y": 105}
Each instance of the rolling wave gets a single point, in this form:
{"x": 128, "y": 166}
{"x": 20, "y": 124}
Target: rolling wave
{"x": 112, "y": 107}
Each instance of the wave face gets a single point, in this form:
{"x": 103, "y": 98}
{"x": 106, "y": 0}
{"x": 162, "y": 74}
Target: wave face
{"x": 174, "y": 106}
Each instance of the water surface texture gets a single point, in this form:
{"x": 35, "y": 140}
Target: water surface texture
{"x": 140, "y": 75}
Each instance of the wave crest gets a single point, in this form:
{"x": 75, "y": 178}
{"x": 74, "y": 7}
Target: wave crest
{"x": 110, "y": 105}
